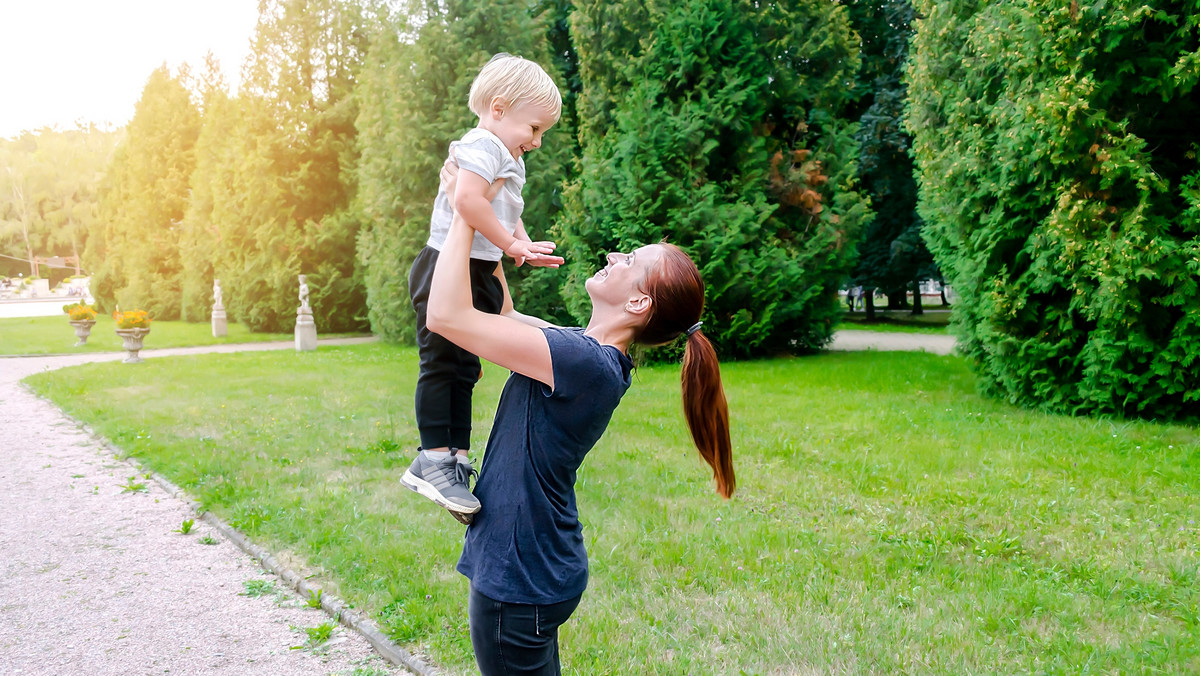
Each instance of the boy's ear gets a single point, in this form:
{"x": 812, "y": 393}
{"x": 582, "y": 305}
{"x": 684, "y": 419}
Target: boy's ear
{"x": 497, "y": 107}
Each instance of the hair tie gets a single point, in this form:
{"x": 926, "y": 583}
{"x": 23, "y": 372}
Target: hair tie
{"x": 694, "y": 328}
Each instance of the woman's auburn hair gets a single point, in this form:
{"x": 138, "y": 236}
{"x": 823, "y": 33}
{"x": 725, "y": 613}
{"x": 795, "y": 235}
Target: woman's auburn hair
{"x": 676, "y": 293}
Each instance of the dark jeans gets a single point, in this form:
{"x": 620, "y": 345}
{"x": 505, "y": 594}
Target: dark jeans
{"x": 514, "y": 638}
{"x": 448, "y": 373}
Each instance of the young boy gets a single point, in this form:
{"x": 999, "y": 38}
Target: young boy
{"x": 516, "y": 102}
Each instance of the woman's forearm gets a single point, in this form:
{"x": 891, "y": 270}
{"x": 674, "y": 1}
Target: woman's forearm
{"x": 450, "y": 289}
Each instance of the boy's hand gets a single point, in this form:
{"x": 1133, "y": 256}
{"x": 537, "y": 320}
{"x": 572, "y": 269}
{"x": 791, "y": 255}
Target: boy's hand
{"x": 539, "y": 254}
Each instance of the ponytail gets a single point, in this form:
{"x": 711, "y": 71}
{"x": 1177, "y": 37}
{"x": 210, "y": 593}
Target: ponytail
{"x": 677, "y": 293}
{"x": 706, "y": 410}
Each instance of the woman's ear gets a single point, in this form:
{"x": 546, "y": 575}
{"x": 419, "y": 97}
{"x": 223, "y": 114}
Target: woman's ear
{"x": 639, "y": 305}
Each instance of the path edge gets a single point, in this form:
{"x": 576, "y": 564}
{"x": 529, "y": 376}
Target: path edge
{"x": 332, "y": 605}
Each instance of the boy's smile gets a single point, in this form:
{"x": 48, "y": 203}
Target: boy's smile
{"x": 519, "y": 127}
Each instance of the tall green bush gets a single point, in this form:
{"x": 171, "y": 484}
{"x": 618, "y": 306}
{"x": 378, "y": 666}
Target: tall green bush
{"x": 1056, "y": 150}
{"x": 716, "y": 124}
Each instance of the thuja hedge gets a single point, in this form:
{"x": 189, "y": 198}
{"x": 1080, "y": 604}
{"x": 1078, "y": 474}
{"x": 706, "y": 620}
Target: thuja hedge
{"x": 1056, "y": 150}
{"x": 717, "y": 128}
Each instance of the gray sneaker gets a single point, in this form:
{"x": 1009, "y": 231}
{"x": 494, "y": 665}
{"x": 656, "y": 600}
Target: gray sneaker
{"x": 446, "y": 483}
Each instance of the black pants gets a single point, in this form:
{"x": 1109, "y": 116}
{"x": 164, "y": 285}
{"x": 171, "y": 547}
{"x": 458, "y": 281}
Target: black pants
{"x": 513, "y": 638}
{"x": 448, "y": 373}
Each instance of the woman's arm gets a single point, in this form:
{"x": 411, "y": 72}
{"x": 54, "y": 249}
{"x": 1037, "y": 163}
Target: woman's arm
{"x": 500, "y": 339}
{"x": 508, "y": 310}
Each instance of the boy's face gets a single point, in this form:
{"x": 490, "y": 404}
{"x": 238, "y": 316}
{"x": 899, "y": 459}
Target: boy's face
{"x": 519, "y": 127}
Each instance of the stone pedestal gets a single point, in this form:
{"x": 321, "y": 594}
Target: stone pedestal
{"x": 219, "y": 327}
{"x": 306, "y": 330}
{"x": 132, "y": 339}
{"x": 83, "y": 329}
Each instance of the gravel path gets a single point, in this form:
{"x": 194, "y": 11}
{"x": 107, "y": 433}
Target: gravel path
{"x": 94, "y": 580}
{"x": 886, "y": 342}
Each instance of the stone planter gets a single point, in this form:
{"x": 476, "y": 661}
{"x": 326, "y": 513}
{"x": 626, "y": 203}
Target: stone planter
{"x": 83, "y": 329}
{"x": 133, "y": 344}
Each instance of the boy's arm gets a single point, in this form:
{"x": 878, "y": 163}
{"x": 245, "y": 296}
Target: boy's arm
{"x": 471, "y": 203}
{"x": 469, "y": 199}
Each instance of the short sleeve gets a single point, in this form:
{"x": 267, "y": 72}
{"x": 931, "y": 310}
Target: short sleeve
{"x": 581, "y": 365}
{"x": 479, "y": 156}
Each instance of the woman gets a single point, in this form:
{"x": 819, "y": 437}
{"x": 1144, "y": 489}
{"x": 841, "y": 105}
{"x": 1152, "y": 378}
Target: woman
{"x": 524, "y": 551}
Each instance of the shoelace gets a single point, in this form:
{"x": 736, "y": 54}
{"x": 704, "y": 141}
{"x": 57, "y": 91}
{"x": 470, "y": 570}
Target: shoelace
{"x": 463, "y": 473}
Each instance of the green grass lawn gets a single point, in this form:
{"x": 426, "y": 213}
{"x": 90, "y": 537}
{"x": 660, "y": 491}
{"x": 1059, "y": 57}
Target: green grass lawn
{"x": 934, "y": 321}
{"x": 887, "y": 518}
{"x": 53, "y": 335}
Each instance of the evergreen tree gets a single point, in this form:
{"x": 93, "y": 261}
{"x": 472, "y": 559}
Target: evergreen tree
{"x": 211, "y": 192}
{"x": 413, "y": 97}
{"x": 715, "y": 124}
{"x": 1056, "y": 150}
{"x": 135, "y": 251}
{"x": 892, "y": 255}
{"x": 291, "y": 153}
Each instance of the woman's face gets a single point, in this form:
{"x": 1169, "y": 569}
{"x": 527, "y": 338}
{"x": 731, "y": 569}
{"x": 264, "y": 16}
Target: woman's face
{"x": 621, "y": 279}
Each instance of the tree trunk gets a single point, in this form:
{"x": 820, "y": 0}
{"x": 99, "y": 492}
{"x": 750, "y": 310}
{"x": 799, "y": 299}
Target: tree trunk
{"x": 916, "y": 306}
{"x": 74, "y": 246}
{"x": 945, "y": 303}
{"x": 869, "y": 304}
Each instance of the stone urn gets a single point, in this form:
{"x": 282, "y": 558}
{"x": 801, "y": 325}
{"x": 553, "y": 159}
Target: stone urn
{"x": 83, "y": 329}
{"x": 133, "y": 344}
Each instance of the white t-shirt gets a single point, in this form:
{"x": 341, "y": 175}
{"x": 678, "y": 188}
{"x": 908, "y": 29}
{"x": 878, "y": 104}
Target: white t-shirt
{"x": 481, "y": 152}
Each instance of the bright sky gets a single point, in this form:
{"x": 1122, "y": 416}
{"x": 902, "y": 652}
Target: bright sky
{"x": 63, "y": 61}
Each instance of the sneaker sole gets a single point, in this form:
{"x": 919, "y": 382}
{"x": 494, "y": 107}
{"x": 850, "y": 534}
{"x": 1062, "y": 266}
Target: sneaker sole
{"x": 419, "y": 485}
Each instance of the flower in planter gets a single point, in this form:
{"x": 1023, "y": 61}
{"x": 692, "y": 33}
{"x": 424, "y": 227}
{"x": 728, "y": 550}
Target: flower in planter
{"x": 80, "y": 312}
{"x": 132, "y": 319}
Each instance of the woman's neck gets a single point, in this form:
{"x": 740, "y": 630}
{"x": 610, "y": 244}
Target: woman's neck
{"x": 616, "y": 333}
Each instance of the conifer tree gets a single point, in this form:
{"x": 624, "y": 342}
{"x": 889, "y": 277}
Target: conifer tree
{"x": 135, "y": 252}
{"x": 1057, "y": 154}
{"x": 715, "y": 124}
{"x": 290, "y": 157}
{"x": 212, "y": 193}
{"x": 892, "y": 256}
{"x": 414, "y": 103}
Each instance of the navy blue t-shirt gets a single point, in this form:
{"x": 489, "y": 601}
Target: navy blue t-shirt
{"x": 525, "y": 544}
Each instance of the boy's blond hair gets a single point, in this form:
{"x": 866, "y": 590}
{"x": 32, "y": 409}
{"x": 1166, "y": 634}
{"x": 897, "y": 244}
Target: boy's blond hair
{"x": 515, "y": 81}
